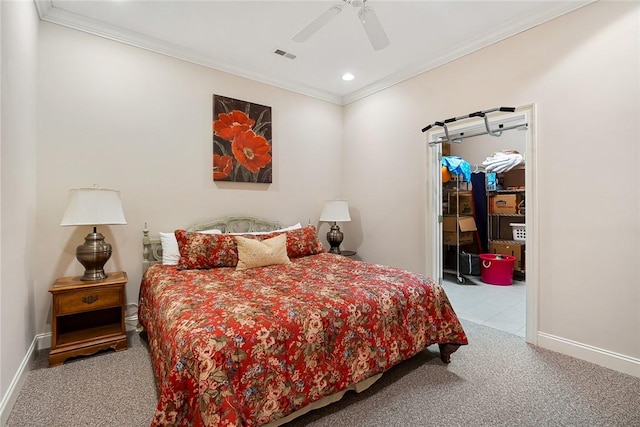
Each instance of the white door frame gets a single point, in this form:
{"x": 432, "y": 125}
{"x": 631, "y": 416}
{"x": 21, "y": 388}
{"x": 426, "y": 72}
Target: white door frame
{"x": 434, "y": 205}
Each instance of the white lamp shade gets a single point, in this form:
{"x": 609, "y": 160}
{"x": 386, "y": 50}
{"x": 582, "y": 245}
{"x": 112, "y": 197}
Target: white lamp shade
{"x": 93, "y": 206}
{"x": 335, "y": 211}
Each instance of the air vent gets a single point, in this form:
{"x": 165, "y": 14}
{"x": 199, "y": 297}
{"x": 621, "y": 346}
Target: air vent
{"x": 285, "y": 54}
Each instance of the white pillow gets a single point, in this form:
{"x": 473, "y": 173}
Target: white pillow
{"x": 254, "y": 253}
{"x": 170, "y": 251}
{"x": 258, "y": 233}
{"x": 291, "y": 227}
{"x": 213, "y": 231}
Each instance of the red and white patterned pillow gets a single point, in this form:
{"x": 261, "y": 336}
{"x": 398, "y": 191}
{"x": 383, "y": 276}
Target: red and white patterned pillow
{"x": 199, "y": 250}
{"x": 301, "y": 242}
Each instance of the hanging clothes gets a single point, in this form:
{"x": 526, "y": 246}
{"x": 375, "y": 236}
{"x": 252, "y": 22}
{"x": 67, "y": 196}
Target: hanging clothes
{"x": 458, "y": 166}
{"x": 480, "y": 203}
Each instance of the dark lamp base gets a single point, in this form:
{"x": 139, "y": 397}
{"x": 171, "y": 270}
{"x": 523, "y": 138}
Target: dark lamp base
{"x": 334, "y": 237}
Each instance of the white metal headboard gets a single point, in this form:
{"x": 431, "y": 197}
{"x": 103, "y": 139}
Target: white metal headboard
{"x": 152, "y": 249}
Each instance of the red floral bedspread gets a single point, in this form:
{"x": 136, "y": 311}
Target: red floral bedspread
{"x": 248, "y": 347}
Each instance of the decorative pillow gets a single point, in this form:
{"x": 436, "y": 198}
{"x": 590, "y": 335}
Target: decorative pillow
{"x": 254, "y": 253}
{"x": 301, "y": 242}
{"x": 198, "y": 250}
{"x": 170, "y": 251}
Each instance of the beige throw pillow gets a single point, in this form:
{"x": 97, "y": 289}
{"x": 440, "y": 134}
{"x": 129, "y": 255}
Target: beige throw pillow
{"x": 254, "y": 253}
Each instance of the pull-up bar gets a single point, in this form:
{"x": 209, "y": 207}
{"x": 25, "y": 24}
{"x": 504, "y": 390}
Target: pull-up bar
{"x": 470, "y": 115}
{"x": 483, "y": 114}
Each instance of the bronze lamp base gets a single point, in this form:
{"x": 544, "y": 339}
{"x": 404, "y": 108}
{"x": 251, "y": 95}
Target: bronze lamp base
{"x": 93, "y": 255}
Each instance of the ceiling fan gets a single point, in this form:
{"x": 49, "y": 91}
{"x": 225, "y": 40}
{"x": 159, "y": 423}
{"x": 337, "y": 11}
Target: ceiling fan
{"x": 367, "y": 16}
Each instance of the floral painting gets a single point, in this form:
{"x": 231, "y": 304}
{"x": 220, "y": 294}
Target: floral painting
{"x": 241, "y": 141}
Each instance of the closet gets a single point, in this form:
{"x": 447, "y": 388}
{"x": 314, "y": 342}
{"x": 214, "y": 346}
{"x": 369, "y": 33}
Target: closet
{"x": 489, "y": 202}
{"x": 474, "y": 138}
{"x": 494, "y": 201}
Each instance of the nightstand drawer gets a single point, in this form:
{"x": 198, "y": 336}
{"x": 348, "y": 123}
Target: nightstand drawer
{"x": 90, "y": 299}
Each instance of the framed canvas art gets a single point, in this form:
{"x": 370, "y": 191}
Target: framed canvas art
{"x": 241, "y": 141}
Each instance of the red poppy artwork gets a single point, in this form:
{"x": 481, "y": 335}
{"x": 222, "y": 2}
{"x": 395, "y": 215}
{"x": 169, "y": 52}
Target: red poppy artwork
{"x": 241, "y": 141}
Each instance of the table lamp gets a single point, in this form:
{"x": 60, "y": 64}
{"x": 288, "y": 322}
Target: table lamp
{"x": 93, "y": 206}
{"x": 335, "y": 211}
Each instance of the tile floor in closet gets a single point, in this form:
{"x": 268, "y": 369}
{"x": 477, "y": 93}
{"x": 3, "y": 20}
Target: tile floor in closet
{"x": 499, "y": 307}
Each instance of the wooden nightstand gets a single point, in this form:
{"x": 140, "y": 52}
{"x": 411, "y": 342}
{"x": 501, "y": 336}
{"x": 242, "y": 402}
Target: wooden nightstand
{"x": 87, "y": 316}
{"x": 348, "y": 253}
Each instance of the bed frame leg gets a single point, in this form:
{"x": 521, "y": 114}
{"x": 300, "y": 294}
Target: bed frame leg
{"x": 446, "y": 350}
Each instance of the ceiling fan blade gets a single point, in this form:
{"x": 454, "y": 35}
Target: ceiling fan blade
{"x": 373, "y": 28}
{"x": 318, "y": 23}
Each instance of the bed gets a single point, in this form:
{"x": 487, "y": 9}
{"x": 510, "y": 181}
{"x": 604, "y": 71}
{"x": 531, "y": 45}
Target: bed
{"x": 237, "y": 340}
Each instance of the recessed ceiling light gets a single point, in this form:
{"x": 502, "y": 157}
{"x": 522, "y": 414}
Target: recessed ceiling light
{"x": 348, "y": 77}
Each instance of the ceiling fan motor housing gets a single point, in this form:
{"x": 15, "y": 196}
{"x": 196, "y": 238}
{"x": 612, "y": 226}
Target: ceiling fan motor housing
{"x": 377, "y": 37}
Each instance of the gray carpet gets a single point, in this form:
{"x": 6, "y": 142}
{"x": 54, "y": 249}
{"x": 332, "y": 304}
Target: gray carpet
{"x": 497, "y": 380}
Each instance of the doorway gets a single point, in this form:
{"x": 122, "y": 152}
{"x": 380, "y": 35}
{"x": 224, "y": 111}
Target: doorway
{"x": 477, "y": 149}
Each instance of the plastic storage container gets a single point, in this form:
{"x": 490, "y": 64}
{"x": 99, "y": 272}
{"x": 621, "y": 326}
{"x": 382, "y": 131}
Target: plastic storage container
{"x": 519, "y": 231}
{"x": 497, "y": 269}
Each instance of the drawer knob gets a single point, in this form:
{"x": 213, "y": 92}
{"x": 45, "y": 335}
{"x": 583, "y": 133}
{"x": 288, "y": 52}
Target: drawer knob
{"x": 90, "y": 299}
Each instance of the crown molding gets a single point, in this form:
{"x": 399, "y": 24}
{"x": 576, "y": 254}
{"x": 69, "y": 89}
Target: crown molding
{"x": 49, "y": 13}
{"x": 510, "y": 29}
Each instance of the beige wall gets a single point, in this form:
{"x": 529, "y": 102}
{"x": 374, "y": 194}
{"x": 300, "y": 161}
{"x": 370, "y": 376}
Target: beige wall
{"x": 582, "y": 72}
{"x": 19, "y": 27}
{"x": 129, "y": 119}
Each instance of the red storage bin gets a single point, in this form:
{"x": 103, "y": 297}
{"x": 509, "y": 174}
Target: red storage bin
{"x": 497, "y": 271}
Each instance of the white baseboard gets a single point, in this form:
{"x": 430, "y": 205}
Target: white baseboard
{"x": 40, "y": 341}
{"x": 44, "y": 341}
{"x": 10, "y": 397}
{"x": 608, "y": 359}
